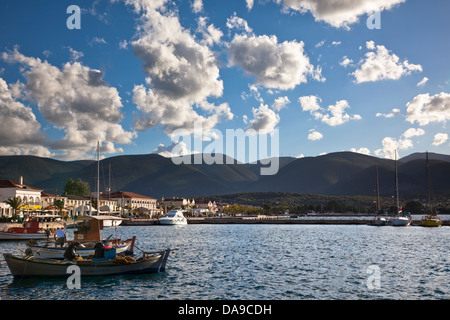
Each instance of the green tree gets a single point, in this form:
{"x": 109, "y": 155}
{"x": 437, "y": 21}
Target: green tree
{"x": 77, "y": 188}
{"x": 14, "y": 203}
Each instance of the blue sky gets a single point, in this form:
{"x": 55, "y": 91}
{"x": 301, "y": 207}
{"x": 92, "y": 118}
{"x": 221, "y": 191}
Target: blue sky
{"x": 137, "y": 70}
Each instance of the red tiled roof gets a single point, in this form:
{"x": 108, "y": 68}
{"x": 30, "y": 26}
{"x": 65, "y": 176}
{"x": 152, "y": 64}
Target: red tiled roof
{"x": 124, "y": 194}
{"x": 14, "y": 184}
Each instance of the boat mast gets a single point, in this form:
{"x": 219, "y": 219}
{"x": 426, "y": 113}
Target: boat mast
{"x": 378, "y": 193}
{"x": 98, "y": 177}
{"x": 428, "y": 185}
{"x": 396, "y": 183}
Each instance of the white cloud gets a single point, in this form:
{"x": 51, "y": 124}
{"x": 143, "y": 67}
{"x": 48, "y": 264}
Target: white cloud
{"x": 346, "y": 62}
{"x": 75, "y": 99}
{"x": 176, "y": 149}
{"x": 423, "y": 82}
{"x": 182, "y": 72}
{"x": 239, "y": 24}
{"x": 20, "y": 132}
{"x": 197, "y": 6}
{"x": 382, "y": 65}
{"x": 337, "y": 115}
{"x": 249, "y": 4}
{"x": 365, "y": 151}
{"x": 391, "y": 145}
{"x": 280, "y": 103}
{"x": 264, "y": 120}
{"x": 339, "y": 14}
{"x": 75, "y": 55}
{"x": 395, "y": 112}
{"x": 440, "y": 138}
{"x": 315, "y": 136}
{"x": 425, "y": 109}
{"x": 413, "y": 132}
{"x": 336, "y": 43}
{"x": 211, "y": 34}
{"x": 319, "y": 44}
{"x": 274, "y": 65}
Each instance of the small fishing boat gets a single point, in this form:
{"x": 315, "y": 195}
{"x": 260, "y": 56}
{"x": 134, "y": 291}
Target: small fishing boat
{"x": 87, "y": 231}
{"x": 150, "y": 262}
{"x": 173, "y": 217}
{"x": 30, "y": 230}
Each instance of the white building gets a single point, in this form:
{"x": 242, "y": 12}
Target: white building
{"x": 30, "y": 196}
{"x": 132, "y": 201}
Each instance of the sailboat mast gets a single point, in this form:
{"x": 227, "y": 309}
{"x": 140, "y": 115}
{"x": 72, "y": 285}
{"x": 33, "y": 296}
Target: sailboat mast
{"x": 98, "y": 177}
{"x": 378, "y": 193}
{"x": 428, "y": 185}
{"x": 396, "y": 182}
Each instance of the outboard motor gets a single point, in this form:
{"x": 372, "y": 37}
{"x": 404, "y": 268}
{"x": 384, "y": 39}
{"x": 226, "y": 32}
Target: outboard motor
{"x": 99, "y": 250}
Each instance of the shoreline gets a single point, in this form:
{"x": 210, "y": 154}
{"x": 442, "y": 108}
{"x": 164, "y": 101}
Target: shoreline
{"x": 335, "y": 220}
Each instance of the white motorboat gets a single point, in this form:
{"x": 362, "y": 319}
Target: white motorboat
{"x": 401, "y": 221}
{"x": 174, "y": 217}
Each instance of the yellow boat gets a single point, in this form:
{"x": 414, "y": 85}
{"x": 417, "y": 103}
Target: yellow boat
{"x": 431, "y": 221}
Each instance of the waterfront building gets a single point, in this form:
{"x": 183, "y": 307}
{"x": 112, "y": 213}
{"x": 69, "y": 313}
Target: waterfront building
{"x": 48, "y": 200}
{"x": 132, "y": 201}
{"x": 30, "y": 196}
{"x": 175, "y": 202}
{"x": 79, "y": 205}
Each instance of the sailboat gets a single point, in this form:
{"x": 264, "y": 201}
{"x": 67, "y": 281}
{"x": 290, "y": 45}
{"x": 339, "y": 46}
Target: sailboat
{"x": 113, "y": 221}
{"x": 379, "y": 220}
{"x": 400, "y": 220}
{"x": 431, "y": 219}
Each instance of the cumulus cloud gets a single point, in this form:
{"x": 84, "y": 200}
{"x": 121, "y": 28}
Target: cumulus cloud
{"x": 392, "y": 145}
{"x": 346, "y": 62}
{"x": 182, "y": 72}
{"x": 280, "y": 103}
{"x": 20, "y": 132}
{"x": 382, "y": 65}
{"x": 339, "y": 14}
{"x": 425, "y": 109}
{"x": 210, "y": 33}
{"x": 75, "y": 99}
{"x": 365, "y": 151}
{"x": 315, "y": 135}
{"x": 249, "y": 4}
{"x": 175, "y": 149}
{"x": 197, "y": 6}
{"x": 440, "y": 138}
{"x": 337, "y": 113}
{"x": 395, "y": 112}
{"x": 274, "y": 65}
{"x": 264, "y": 119}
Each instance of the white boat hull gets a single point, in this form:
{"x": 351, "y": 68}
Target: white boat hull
{"x": 111, "y": 223}
{"x": 22, "y": 236}
{"x": 401, "y": 222}
{"x": 173, "y": 222}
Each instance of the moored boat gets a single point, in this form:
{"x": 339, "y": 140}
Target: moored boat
{"x": 30, "y": 230}
{"x": 30, "y": 267}
{"x": 173, "y": 217}
{"x": 87, "y": 231}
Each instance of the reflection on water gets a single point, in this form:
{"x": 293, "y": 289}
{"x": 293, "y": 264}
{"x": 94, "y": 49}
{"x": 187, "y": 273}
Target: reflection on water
{"x": 250, "y": 262}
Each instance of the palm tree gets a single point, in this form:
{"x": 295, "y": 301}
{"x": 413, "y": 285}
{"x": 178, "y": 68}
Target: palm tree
{"x": 59, "y": 203}
{"x": 14, "y": 203}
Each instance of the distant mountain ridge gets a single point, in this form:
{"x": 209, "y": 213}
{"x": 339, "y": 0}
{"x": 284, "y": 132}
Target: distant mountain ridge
{"x": 340, "y": 173}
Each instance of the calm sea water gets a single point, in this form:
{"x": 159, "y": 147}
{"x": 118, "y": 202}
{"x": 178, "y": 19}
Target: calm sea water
{"x": 258, "y": 262}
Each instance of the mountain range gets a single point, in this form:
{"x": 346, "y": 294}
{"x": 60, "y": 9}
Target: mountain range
{"x": 340, "y": 173}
